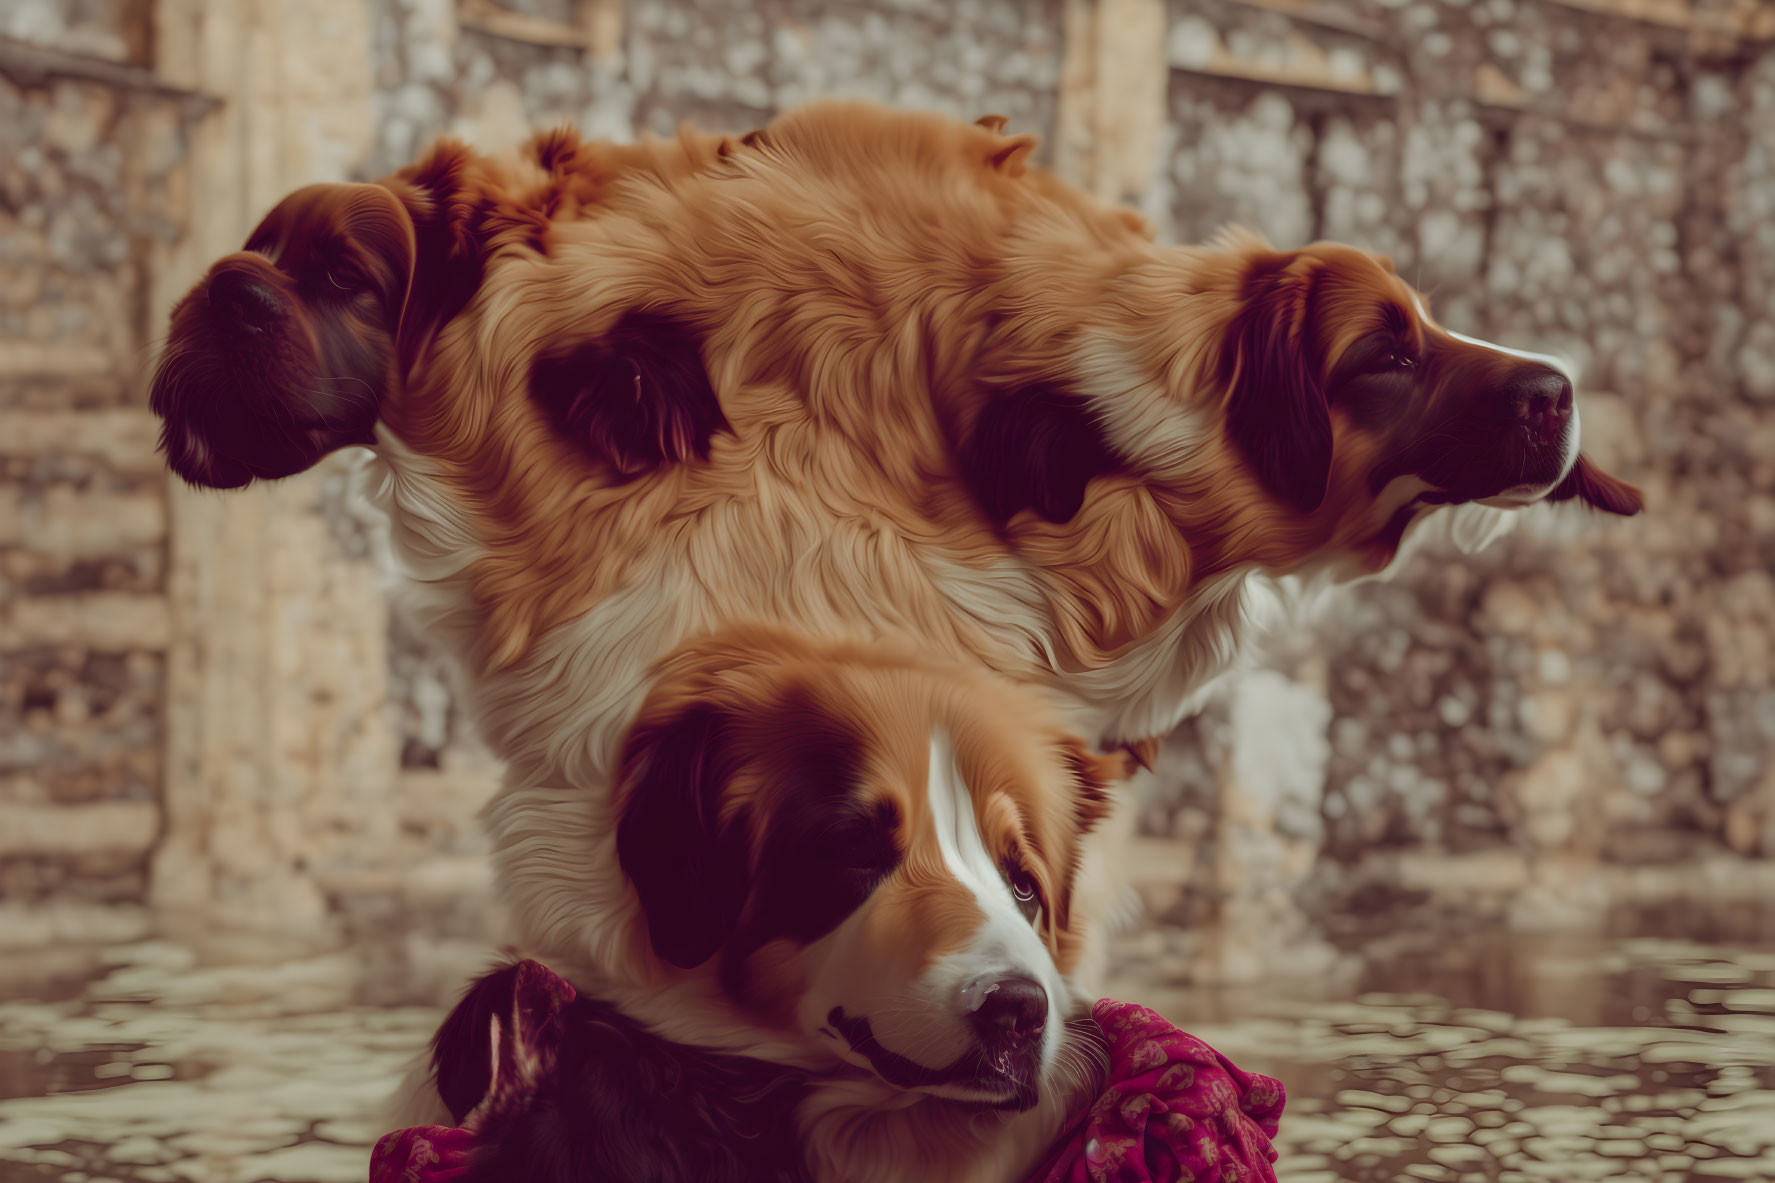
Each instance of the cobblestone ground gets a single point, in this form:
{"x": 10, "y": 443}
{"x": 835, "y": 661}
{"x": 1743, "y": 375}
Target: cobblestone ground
{"x": 1486, "y": 1057}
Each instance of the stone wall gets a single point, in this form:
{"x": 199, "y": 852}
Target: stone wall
{"x": 83, "y": 624}
{"x": 1591, "y": 177}
{"x": 1589, "y": 694}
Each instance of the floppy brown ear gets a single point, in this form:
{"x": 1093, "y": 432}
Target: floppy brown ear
{"x": 440, "y": 197}
{"x": 691, "y": 860}
{"x": 1038, "y": 447}
{"x": 638, "y": 397}
{"x": 686, "y": 862}
{"x": 504, "y": 1032}
{"x": 1596, "y": 488}
{"x": 1276, "y": 410}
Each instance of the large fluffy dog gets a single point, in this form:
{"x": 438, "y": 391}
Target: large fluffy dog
{"x": 858, "y": 370}
{"x": 864, "y": 373}
{"x": 845, "y": 860}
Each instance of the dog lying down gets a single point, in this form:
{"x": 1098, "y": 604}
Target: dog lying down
{"x": 523, "y": 1050}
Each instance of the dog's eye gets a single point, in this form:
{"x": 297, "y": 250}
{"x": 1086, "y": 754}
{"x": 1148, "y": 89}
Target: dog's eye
{"x": 345, "y": 277}
{"x": 1024, "y": 890}
{"x": 1398, "y": 360}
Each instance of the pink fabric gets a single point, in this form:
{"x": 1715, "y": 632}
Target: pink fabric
{"x": 423, "y": 1154}
{"x": 1174, "y": 1110}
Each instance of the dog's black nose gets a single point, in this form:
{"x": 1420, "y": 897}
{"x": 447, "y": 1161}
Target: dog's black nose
{"x": 244, "y": 302}
{"x": 1542, "y": 400}
{"x": 1010, "y": 1010}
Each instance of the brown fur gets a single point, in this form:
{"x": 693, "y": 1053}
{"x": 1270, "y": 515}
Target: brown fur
{"x": 1038, "y": 790}
{"x": 862, "y": 282}
{"x": 955, "y": 401}
{"x": 867, "y": 290}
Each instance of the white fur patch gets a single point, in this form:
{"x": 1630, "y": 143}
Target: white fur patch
{"x": 1143, "y": 421}
{"x": 1006, "y": 943}
{"x": 1159, "y": 680}
{"x": 1472, "y": 528}
{"x": 1004, "y": 600}
{"x": 1546, "y": 359}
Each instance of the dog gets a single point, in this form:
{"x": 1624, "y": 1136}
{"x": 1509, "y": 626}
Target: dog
{"x": 285, "y": 350}
{"x": 864, "y": 372}
{"x": 862, "y": 369}
{"x": 837, "y": 861}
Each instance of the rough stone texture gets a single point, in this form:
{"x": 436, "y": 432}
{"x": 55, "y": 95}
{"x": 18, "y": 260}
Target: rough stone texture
{"x": 116, "y": 30}
{"x": 727, "y": 63}
{"x": 1589, "y": 690}
{"x": 86, "y": 176}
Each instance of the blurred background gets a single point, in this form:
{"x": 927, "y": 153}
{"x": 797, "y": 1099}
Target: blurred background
{"x": 239, "y": 863}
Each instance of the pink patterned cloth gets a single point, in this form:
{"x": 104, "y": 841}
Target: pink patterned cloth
{"x": 1173, "y": 1109}
{"x": 423, "y": 1154}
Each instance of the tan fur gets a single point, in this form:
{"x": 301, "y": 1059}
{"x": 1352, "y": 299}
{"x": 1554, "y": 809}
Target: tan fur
{"x": 1036, "y": 791}
{"x": 862, "y": 280}
{"x": 864, "y": 290}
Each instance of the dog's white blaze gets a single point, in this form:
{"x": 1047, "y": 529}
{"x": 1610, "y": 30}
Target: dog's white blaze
{"x": 1006, "y": 943}
{"x": 1142, "y": 421}
{"x": 1562, "y": 365}
{"x": 1546, "y": 359}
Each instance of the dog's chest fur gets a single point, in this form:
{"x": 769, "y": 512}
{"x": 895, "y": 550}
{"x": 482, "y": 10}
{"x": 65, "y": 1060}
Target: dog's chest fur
{"x": 558, "y": 715}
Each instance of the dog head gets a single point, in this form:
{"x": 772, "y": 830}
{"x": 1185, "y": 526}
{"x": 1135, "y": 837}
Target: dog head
{"x": 861, "y": 313}
{"x": 284, "y": 351}
{"x": 1275, "y": 406}
{"x": 1330, "y": 352}
{"x": 869, "y": 856}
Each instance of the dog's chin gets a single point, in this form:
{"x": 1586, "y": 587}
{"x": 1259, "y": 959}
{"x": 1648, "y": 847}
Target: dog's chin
{"x": 232, "y": 417}
{"x": 1006, "y": 1080}
{"x": 198, "y": 464}
{"x": 987, "y": 1090}
{"x": 993, "y": 1092}
{"x": 204, "y": 465}
{"x": 1519, "y": 498}
{"x": 219, "y": 473}
{"x": 1520, "y": 495}
{"x": 264, "y": 446}
{"x": 1527, "y": 492}
{"x": 1009, "y": 1082}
